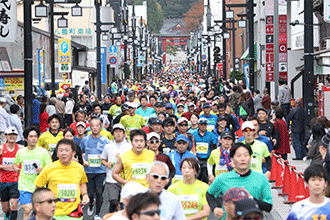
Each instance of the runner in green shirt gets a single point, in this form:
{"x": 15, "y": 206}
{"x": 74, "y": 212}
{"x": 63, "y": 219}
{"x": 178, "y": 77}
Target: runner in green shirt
{"x": 33, "y": 159}
{"x": 132, "y": 120}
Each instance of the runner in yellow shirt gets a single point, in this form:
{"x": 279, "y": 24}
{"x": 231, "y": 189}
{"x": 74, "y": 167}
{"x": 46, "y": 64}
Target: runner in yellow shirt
{"x": 49, "y": 139}
{"x": 192, "y": 192}
{"x": 132, "y": 121}
{"x": 67, "y": 179}
{"x": 220, "y": 157}
{"x": 134, "y": 163}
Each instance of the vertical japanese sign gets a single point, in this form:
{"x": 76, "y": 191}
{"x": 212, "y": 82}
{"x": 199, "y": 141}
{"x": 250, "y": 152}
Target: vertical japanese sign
{"x": 269, "y": 11}
{"x": 8, "y": 20}
{"x": 64, "y": 55}
{"x": 41, "y": 72}
{"x": 282, "y": 40}
{"x": 103, "y": 67}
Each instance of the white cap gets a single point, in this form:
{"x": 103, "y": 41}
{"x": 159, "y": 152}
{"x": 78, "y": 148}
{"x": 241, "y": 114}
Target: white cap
{"x": 131, "y": 189}
{"x": 203, "y": 99}
{"x": 81, "y": 123}
{"x": 182, "y": 98}
{"x": 118, "y": 126}
{"x": 182, "y": 119}
{"x": 191, "y": 104}
{"x": 247, "y": 124}
{"x": 11, "y": 130}
{"x": 151, "y": 135}
{"x": 133, "y": 104}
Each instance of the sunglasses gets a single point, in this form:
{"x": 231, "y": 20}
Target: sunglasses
{"x": 154, "y": 141}
{"x": 186, "y": 125}
{"x": 150, "y": 213}
{"x": 156, "y": 176}
{"x": 182, "y": 142}
{"x": 50, "y": 201}
{"x": 248, "y": 129}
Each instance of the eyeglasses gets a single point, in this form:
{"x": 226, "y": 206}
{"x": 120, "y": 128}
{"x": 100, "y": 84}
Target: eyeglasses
{"x": 150, "y": 213}
{"x": 154, "y": 141}
{"x": 50, "y": 201}
{"x": 156, "y": 176}
{"x": 248, "y": 129}
{"x": 186, "y": 125}
{"x": 182, "y": 142}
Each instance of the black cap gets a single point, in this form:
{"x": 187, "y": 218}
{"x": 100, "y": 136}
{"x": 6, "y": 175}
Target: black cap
{"x": 20, "y": 96}
{"x": 226, "y": 134}
{"x": 246, "y": 206}
{"x": 156, "y": 121}
{"x": 168, "y": 121}
{"x": 262, "y": 109}
{"x": 222, "y": 118}
{"x": 158, "y": 104}
{"x": 124, "y": 107}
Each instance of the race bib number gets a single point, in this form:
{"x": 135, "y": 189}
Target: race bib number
{"x": 177, "y": 178}
{"x": 220, "y": 169}
{"x": 29, "y": 167}
{"x": 139, "y": 170}
{"x": 8, "y": 161}
{"x": 94, "y": 160}
{"x": 202, "y": 148}
{"x": 117, "y": 111}
{"x": 189, "y": 203}
{"x": 210, "y": 127}
{"x": 68, "y": 192}
{"x": 254, "y": 164}
{"x": 51, "y": 147}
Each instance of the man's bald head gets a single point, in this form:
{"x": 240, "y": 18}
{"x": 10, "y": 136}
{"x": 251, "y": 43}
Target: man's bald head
{"x": 38, "y": 195}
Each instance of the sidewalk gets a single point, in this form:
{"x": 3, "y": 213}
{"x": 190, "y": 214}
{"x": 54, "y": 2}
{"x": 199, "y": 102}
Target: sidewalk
{"x": 281, "y": 210}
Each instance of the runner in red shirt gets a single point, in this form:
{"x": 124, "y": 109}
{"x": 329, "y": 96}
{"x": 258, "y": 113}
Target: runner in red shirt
{"x": 9, "y": 178}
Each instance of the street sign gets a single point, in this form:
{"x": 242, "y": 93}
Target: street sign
{"x": 204, "y": 57}
{"x": 282, "y": 38}
{"x": 326, "y": 11}
{"x": 270, "y": 48}
{"x": 282, "y": 48}
{"x": 269, "y": 67}
{"x": 112, "y": 60}
{"x": 269, "y": 57}
{"x": 283, "y": 67}
{"x": 63, "y": 87}
{"x": 282, "y": 19}
{"x": 283, "y": 75}
{"x": 220, "y": 66}
{"x": 64, "y": 48}
{"x": 283, "y": 57}
{"x": 113, "y": 49}
{"x": 270, "y": 39}
{"x": 64, "y": 67}
{"x": 103, "y": 65}
{"x": 270, "y": 19}
{"x": 269, "y": 29}
{"x": 269, "y": 76}
{"x": 282, "y": 29}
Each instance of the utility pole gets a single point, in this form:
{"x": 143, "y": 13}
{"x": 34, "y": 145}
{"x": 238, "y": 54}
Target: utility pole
{"x": 208, "y": 23}
{"x": 134, "y": 38}
{"x": 98, "y": 48}
{"x": 250, "y": 15}
{"x": 308, "y": 77}
{"x": 224, "y": 49}
{"x": 52, "y": 45}
{"x": 125, "y": 38}
{"x": 28, "y": 68}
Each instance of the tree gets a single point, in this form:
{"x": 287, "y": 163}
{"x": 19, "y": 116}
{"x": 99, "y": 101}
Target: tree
{"x": 238, "y": 75}
{"x": 155, "y": 15}
{"x": 175, "y": 8}
{"x": 193, "y": 17}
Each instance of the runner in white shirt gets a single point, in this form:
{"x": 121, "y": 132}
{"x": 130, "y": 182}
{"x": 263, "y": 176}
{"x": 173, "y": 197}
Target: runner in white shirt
{"x": 109, "y": 158}
{"x": 157, "y": 177}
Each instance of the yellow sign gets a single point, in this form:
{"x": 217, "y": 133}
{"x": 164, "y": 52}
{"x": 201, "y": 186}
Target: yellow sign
{"x": 63, "y": 86}
{"x": 14, "y": 83}
{"x": 64, "y": 51}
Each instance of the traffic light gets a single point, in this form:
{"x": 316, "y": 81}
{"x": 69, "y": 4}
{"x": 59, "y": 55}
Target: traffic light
{"x": 216, "y": 55}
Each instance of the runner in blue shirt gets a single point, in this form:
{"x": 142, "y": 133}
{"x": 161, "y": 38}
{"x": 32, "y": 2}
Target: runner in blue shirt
{"x": 211, "y": 119}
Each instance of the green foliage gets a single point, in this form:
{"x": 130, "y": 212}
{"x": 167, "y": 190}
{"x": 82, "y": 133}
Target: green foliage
{"x": 238, "y": 75}
{"x": 175, "y": 8}
{"x": 155, "y": 16}
{"x": 171, "y": 49}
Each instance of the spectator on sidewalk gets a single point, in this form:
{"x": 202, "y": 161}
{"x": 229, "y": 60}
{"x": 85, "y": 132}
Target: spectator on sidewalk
{"x": 284, "y": 96}
{"x": 313, "y": 152}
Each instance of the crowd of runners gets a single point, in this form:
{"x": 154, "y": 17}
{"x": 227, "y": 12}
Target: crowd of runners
{"x": 175, "y": 145}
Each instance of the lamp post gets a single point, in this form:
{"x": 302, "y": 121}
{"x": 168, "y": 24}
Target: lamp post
{"x": 208, "y": 23}
{"x": 134, "y": 40}
{"x": 125, "y": 13}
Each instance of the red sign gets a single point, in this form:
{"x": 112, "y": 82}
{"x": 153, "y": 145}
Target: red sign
{"x": 270, "y": 48}
{"x": 220, "y": 66}
{"x": 269, "y": 29}
{"x": 283, "y": 57}
{"x": 282, "y": 28}
{"x": 269, "y": 67}
{"x": 65, "y": 86}
{"x": 282, "y": 19}
{"x": 269, "y": 76}
{"x": 112, "y": 60}
{"x": 282, "y": 38}
{"x": 269, "y": 57}
{"x": 269, "y": 19}
{"x": 122, "y": 46}
{"x": 282, "y": 48}
{"x": 283, "y": 75}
